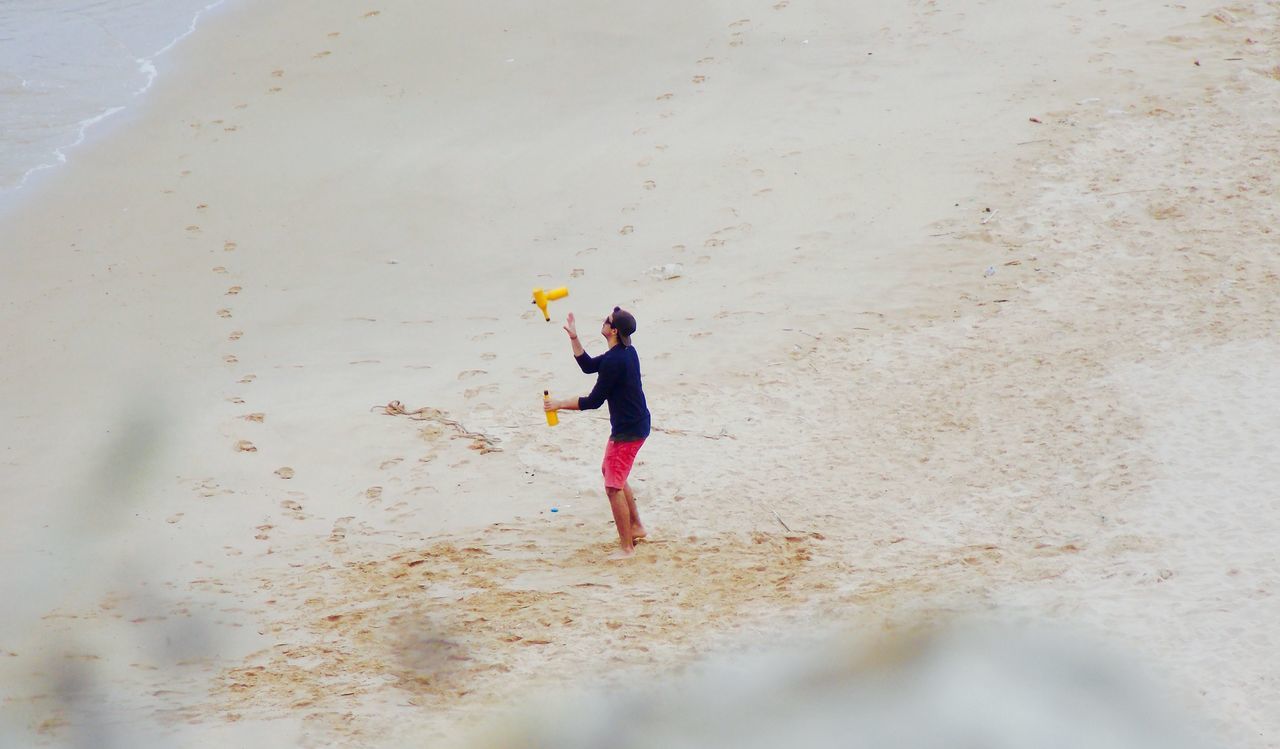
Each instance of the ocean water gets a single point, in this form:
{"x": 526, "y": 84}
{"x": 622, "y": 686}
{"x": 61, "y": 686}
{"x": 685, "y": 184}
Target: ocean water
{"x": 67, "y": 67}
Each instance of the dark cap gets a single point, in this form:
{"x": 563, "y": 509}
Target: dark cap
{"x": 625, "y": 323}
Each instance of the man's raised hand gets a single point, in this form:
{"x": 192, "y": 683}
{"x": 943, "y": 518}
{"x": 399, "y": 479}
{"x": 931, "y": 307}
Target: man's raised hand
{"x": 570, "y": 327}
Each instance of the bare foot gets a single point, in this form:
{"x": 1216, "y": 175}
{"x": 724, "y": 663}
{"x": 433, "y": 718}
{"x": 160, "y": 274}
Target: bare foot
{"x": 638, "y": 532}
{"x": 623, "y": 554}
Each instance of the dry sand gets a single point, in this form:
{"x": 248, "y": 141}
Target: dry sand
{"x": 217, "y": 532}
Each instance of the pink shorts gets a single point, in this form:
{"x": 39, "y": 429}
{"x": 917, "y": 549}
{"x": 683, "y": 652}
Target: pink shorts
{"x": 618, "y": 459}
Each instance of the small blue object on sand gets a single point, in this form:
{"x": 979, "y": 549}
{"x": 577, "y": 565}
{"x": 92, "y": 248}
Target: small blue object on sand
{"x": 555, "y": 509}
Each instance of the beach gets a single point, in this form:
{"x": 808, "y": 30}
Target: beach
{"x": 943, "y": 313}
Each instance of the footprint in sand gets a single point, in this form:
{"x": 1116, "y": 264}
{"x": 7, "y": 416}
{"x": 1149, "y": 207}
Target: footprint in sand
{"x": 373, "y": 493}
{"x": 247, "y": 379}
{"x": 245, "y": 446}
{"x": 739, "y": 23}
{"x": 277, "y": 73}
{"x": 257, "y": 417}
{"x": 640, "y": 131}
{"x": 371, "y": 14}
{"x": 576, "y": 273}
{"x": 333, "y": 34}
{"x": 184, "y": 172}
{"x": 241, "y": 106}
{"x": 624, "y": 231}
{"x": 762, "y": 191}
{"x": 646, "y": 161}
{"x": 587, "y": 251}
{"x": 284, "y": 472}
{"x": 699, "y": 79}
{"x": 340, "y": 528}
{"x": 781, "y": 5}
{"x": 481, "y": 337}
{"x": 202, "y": 206}
{"x": 488, "y": 356}
{"x": 233, "y": 291}
{"x": 230, "y": 128}
{"x": 467, "y": 374}
{"x": 649, "y": 184}
{"x": 229, "y": 246}
{"x": 262, "y": 532}
{"x": 230, "y": 359}
{"x": 291, "y": 505}
{"x": 235, "y": 335}
{"x": 210, "y": 488}
{"x": 235, "y": 399}
{"x": 173, "y": 518}
{"x": 390, "y": 462}
{"x": 224, "y": 312}
{"x": 219, "y": 269}
{"x": 274, "y": 90}
{"x": 193, "y": 228}
{"x": 470, "y": 393}
{"x": 736, "y": 39}
{"x": 705, "y": 60}
{"x": 319, "y": 55}
{"x": 666, "y": 96}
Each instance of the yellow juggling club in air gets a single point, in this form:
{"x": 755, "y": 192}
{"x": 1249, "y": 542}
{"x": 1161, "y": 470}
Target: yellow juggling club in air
{"x": 541, "y": 298}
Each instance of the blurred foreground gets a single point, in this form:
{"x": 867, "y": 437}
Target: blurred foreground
{"x": 965, "y": 687}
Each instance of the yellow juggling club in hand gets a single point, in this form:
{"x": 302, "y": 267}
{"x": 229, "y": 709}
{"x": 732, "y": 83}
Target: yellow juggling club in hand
{"x": 541, "y": 298}
{"x": 553, "y": 418}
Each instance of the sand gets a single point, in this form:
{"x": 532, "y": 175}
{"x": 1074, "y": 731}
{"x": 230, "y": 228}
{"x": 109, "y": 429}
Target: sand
{"x": 980, "y": 304}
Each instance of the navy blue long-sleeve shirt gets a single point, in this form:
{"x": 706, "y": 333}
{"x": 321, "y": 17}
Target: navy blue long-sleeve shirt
{"x": 618, "y": 383}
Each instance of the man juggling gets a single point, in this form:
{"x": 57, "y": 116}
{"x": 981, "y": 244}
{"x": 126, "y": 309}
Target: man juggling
{"x": 618, "y": 384}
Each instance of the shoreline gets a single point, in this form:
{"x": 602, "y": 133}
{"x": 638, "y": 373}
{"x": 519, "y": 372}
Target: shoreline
{"x": 305, "y": 228}
{"x": 12, "y": 197}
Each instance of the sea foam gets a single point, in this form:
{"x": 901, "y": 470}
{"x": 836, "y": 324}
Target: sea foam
{"x": 67, "y": 66}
